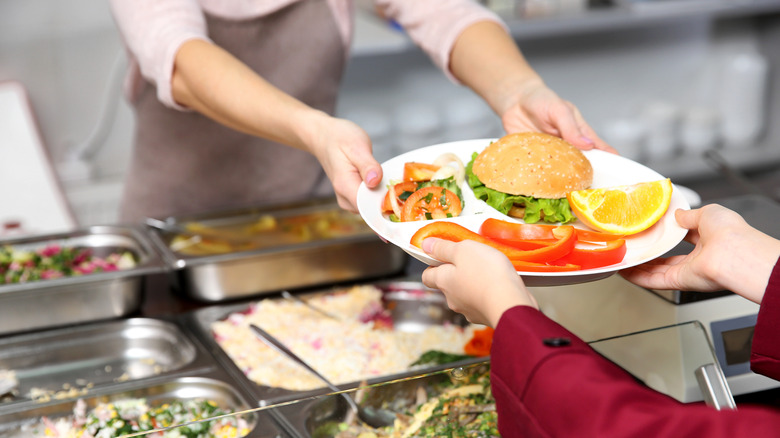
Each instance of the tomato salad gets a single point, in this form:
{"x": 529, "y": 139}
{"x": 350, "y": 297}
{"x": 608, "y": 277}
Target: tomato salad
{"x": 427, "y": 191}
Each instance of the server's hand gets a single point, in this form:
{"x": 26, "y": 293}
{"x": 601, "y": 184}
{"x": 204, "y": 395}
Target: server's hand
{"x": 344, "y": 151}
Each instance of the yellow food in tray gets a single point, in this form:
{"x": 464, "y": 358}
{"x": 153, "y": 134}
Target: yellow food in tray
{"x": 266, "y": 231}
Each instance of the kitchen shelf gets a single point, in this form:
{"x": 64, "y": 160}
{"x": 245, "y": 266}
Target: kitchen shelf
{"x": 633, "y": 14}
{"x": 375, "y": 37}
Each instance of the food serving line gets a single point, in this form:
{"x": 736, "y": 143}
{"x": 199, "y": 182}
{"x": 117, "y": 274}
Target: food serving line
{"x": 147, "y": 331}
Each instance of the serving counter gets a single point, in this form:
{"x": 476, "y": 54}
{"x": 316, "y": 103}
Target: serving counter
{"x": 165, "y": 349}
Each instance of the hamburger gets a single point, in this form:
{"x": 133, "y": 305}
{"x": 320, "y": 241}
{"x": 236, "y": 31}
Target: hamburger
{"x": 527, "y": 175}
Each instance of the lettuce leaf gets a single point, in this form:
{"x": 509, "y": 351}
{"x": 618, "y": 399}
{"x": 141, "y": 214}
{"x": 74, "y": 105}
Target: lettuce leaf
{"x": 555, "y": 210}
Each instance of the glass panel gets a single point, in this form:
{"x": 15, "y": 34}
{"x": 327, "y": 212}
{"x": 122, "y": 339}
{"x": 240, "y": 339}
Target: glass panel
{"x": 665, "y": 359}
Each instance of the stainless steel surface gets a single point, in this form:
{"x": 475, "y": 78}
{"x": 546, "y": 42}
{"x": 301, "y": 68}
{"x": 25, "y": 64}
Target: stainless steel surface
{"x": 373, "y": 417}
{"x": 400, "y": 297}
{"x": 70, "y": 362}
{"x": 72, "y": 300}
{"x": 714, "y": 388}
{"x": 310, "y": 417}
{"x": 183, "y": 388}
{"x": 233, "y": 275}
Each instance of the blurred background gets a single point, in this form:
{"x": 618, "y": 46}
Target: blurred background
{"x": 663, "y": 81}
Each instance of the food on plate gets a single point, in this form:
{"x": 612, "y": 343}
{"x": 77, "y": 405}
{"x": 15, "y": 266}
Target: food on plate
{"x": 266, "y": 231}
{"x": 360, "y": 344}
{"x": 624, "y": 210}
{"x": 135, "y": 415}
{"x": 535, "y": 247}
{"x": 527, "y": 175}
{"x": 55, "y": 261}
{"x": 427, "y": 191}
{"x": 462, "y": 407}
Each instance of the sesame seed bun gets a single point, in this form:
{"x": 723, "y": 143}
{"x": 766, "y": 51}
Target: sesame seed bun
{"x": 533, "y": 164}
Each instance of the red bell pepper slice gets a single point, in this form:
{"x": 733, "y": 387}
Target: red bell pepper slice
{"x": 544, "y": 267}
{"x": 596, "y": 236}
{"x": 498, "y": 229}
{"x": 456, "y": 233}
{"x": 590, "y": 258}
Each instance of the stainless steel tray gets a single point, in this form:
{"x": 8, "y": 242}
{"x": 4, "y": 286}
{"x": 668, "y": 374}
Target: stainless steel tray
{"x": 258, "y": 263}
{"x": 311, "y": 417}
{"x": 72, "y": 362}
{"x": 72, "y": 300}
{"x": 413, "y": 306}
{"x": 222, "y": 392}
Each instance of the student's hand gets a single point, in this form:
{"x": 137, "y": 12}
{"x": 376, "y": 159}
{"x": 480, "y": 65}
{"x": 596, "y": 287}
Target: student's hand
{"x": 729, "y": 254}
{"x": 344, "y": 151}
{"x": 538, "y": 108}
{"x": 478, "y": 281}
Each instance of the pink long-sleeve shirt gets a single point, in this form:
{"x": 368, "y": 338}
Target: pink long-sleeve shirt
{"x": 154, "y": 30}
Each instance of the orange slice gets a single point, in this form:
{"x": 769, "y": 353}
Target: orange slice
{"x": 622, "y": 209}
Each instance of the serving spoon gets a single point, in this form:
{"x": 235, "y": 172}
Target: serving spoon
{"x": 376, "y": 418}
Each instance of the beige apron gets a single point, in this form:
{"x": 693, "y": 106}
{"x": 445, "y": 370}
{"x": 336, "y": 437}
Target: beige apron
{"x": 185, "y": 163}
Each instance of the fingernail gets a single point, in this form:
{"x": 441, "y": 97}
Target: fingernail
{"x": 427, "y": 245}
{"x": 372, "y": 177}
{"x": 586, "y": 140}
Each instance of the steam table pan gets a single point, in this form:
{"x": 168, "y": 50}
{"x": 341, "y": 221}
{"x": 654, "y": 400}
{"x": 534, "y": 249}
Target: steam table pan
{"x": 20, "y": 423}
{"x": 74, "y": 361}
{"x": 412, "y": 307}
{"x": 231, "y": 255}
{"x": 53, "y": 302}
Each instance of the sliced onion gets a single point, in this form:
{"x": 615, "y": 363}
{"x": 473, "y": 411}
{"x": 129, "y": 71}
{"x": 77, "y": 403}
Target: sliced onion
{"x": 451, "y": 161}
{"x": 394, "y": 202}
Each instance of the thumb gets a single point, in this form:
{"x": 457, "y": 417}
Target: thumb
{"x": 688, "y": 219}
{"x": 370, "y": 170}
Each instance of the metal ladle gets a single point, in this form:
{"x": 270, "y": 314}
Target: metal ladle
{"x": 376, "y": 418}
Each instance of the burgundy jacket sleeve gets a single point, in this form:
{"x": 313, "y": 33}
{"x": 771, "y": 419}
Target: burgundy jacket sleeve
{"x": 549, "y": 383}
{"x": 765, "y": 350}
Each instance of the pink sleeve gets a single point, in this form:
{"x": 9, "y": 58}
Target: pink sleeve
{"x": 435, "y": 25}
{"x": 153, "y": 31}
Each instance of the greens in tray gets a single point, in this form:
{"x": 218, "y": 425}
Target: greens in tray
{"x": 462, "y": 407}
{"x": 134, "y": 415}
{"x": 55, "y": 261}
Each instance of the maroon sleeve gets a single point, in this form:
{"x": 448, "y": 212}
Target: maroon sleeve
{"x": 549, "y": 383}
{"x": 765, "y": 350}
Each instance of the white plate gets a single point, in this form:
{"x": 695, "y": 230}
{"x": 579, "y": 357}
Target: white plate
{"x": 608, "y": 170}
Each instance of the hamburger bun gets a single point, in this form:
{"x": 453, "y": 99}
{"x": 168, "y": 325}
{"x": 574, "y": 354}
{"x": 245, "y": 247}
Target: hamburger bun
{"x": 533, "y": 164}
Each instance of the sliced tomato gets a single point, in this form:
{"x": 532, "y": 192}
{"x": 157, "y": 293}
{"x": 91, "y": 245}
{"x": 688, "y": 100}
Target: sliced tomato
{"x": 430, "y": 203}
{"x": 419, "y": 171}
{"x": 400, "y": 188}
{"x": 596, "y": 257}
{"x": 544, "y": 267}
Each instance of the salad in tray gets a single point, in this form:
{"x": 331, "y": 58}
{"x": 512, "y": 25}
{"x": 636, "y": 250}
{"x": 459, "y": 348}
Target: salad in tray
{"x": 55, "y": 261}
